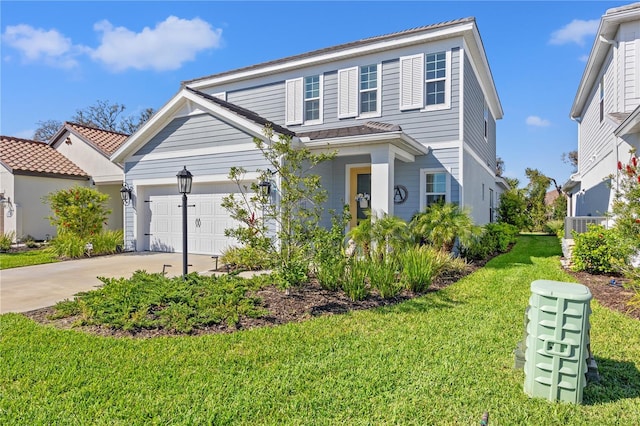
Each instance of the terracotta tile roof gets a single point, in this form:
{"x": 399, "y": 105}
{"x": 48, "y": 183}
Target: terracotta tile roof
{"x": 368, "y": 128}
{"x": 23, "y": 156}
{"x": 249, "y": 115}
{"x": 337, "y": 48}
{"x": 105, "y": 141}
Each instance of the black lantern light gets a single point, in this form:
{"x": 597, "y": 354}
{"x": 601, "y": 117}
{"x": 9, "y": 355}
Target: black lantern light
{"x": 185, "y": 178}
{"x": 265, "y": 187}
{"x": 125, "y": 194}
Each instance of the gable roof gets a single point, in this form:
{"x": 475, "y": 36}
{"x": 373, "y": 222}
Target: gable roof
{"x": 250, "y": 115}
{"x": 368, "y": 128}
{"x": 607, "y": 30}
{"x": 105, "y": 142}
{"x": 465, "y": 28}
{"x": 28, "y": 157}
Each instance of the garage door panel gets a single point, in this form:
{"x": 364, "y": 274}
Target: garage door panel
{"x": 207, "y": 221}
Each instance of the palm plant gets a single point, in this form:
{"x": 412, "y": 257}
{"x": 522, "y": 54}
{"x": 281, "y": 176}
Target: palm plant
{"x": 390, "y": 234}
{"x": 441, "y": 224}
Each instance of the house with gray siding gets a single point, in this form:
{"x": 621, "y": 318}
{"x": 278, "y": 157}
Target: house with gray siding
{"x": 411, "y": 115}
{"x": 607, "y": 110}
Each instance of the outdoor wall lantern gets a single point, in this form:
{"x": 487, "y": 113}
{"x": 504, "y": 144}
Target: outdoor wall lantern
{"x": 265, "y": 187}
{"x": 125, "y": 194}
{"x": 185, "y": 178}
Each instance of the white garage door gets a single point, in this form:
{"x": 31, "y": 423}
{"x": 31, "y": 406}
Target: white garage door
{"x": 206, "y": 222}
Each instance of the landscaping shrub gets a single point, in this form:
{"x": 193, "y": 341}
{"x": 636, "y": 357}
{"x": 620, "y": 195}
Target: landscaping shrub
{"x": 81, "y": 211}
{"x": 147, "y": 301}
{"x": 247, "y": 257}
{"x": 330, "y": 272}
{"x": 494, "y": 238}
{"x": 73, "y": 246}
{"x": 555, "y": 227}
{"x": 597, "y": 251}
{"x": 6, "y": 239}
{"x": 383, "y": 276}
{"x": 67, "y": 244}
{"x": 420, "y": 265}
{"x": 107, "y": 242}
{"x": 441, "y": 224}
{"x": 354, "y": 283}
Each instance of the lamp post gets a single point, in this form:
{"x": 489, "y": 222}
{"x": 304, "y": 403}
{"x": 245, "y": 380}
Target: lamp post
{"x": 184, "y": 187}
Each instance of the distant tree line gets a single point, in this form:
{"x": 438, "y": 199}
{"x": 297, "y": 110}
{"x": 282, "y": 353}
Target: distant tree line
{"x": 101, "y": 115}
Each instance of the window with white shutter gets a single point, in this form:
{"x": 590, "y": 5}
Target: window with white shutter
{"x": 359, "y": 91}
{"x": 294, "y": 101}
{"x": 425, "y": 81}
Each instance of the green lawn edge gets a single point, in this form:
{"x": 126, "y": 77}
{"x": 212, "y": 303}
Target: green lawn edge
{"x": 27, "y": 258}
{"x": 443, "y": 358}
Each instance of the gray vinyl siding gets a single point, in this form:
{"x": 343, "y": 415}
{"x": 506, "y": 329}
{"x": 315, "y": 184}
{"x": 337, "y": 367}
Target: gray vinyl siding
{"x": 474, "y": 102}
{"x": 194, "y": 132}
{"x": 268, "y": 99}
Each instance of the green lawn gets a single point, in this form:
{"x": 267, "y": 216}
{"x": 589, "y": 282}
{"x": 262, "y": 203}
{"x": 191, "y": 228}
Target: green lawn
{"x": 444, "y": 358}
{"x": 26, "y": 258}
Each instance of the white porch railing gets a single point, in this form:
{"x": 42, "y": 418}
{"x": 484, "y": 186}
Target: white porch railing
{"x": 580, "y": 224}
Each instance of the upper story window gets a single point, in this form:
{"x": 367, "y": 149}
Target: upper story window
{"x": 436, "y": 78}
{"x": 303, "y": 100}
{"x": 359, "y": 92}
{"x": 601, "y": 98}
{"x": 425, "y": 81}
{"x": 486, "y": 121}
{"x": 312, "y": 98}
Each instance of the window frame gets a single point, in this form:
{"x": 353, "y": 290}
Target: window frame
{"x": 318, "y": 98}
{"x": 295, "y": 101}
{"x": 350, "y": 93}
{"x": 423, "y": 185}
{"x": 413, "y": 81}
{"x": 376, "y": 112}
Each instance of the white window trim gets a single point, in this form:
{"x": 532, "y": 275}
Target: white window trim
{"x": 321, "y": 103}
{"x": 423, "y": 185}
{"x": 378, "y": 111}
{"x": 220, "y": 95}
{"x": 447, "y": 85}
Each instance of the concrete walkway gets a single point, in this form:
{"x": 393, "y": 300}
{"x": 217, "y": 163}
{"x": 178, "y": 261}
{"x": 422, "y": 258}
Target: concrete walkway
{"x": 33, "y": 287}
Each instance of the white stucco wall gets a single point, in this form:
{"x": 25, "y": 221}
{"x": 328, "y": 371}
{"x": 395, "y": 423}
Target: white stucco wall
{"x": 7, "y": 212}
{"x": 99, "y": 167}
{"x": 115, "y": 221}
{"x": 31, "y": 212}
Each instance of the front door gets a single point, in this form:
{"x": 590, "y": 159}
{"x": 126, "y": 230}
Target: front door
{"x": 360, "y": 193}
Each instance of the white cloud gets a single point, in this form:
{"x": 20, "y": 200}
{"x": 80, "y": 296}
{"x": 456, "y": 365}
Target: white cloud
{"x": 37, "y": 44}
{"x": 575, "y": 32}
{"x": 584, "y": 58}
{"x": 536, "y": 121}
{"x": 165, "y": 47}
{"x": 24, "y": 134}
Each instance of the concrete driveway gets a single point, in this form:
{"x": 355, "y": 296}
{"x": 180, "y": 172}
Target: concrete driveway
{"x": 33, "y": 287}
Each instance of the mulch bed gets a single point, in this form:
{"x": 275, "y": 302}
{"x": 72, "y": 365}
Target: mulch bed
{"x": 311, "y": 300}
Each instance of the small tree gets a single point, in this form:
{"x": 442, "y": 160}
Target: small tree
{"x": 440, "y": 225}
{"x": 513, "y": 205}
{"x": 626, "y": 203}
{"x": 294, "y": 208}
{"x": 536, "y": 191}
{"x": 79, "y": 210}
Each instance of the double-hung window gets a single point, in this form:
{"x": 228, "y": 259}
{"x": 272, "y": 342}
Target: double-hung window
{"x": 434, "y": 187}
{"x": 359, "y": 91}
{"x": 425, "y": 81}
{"x": 303, "y": 100}
{"x": 486, "y": 122}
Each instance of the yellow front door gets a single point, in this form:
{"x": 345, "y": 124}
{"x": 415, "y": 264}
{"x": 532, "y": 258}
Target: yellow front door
{"x": 359, "y": 184}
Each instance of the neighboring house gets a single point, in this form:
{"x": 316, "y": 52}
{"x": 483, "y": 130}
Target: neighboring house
{"x": 607, "y": 110}
{"x": 412, "y": 116}
{"x": 90, "y": 149}
{"x": 29, "y": 171}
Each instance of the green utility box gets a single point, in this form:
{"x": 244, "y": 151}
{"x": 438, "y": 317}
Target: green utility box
{"x": 557, "y": 341}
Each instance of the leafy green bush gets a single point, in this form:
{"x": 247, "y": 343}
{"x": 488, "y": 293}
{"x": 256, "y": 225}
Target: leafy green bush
{"x": 6, "y": 240}
{"x": 73, "y": 246}
{"x": 555, "y": 227}
{"x": 441, "y": 224}
{"x": 355, "y": 283}
{"x": 247, "y": 257}
{"x": 68, "y": 245}
{"x": 597, "y": 251}
{"x": 147, "y": 301}
{"x": 420, "y": 265}
{"x": 494, "y": 238}
{"x": 330, "y": 272}
{"x": 81, "y": 211}
{"x": 383, "y": 277}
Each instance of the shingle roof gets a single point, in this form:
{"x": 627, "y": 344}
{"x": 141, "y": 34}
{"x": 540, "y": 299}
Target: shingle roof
{"x": 339, "y": 47}
{"x": 105, "y": 141}
{"x": 619, "y": 117}
{"x": 250, "y": 115}
{"x": 368, "y": 128}
{"x": 23, "y": 156}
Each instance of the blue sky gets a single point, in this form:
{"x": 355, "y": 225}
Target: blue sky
{"x": 58, "y": 57}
